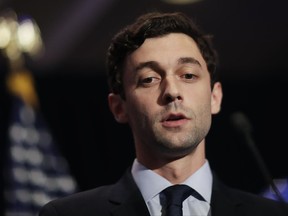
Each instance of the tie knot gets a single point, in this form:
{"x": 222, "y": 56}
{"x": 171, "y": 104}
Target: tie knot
{"x": 172, "y": 198}
{"x": 176, "y": 194}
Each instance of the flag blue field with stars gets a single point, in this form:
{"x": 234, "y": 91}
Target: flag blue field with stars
{"x": 35, "y": 172}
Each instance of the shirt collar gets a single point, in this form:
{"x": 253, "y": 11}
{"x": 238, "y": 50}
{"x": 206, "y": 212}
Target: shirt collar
{"x": 151, "y": 184}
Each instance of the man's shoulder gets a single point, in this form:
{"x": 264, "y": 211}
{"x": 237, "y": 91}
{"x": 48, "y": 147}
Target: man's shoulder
{"x": 99, "y": 201}
{"x": 99, "y": 192}
{"x": 246, "y": 202}
{"x": 92, "y": 200}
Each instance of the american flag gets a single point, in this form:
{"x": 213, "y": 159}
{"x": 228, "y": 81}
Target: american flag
{"x": 35, "y": 171}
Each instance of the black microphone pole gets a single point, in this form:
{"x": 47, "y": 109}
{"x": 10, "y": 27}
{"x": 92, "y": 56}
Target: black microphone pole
{"x": 243, "y": 126}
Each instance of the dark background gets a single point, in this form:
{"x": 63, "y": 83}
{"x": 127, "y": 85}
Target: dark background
{"x": 251, "y": 37}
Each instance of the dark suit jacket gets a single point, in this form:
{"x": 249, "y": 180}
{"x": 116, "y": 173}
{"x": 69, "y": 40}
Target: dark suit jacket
{"x": 124, "y": 199}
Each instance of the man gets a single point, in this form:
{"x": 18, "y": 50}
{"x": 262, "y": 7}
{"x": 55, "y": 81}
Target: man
{"x": 161, "y": 72}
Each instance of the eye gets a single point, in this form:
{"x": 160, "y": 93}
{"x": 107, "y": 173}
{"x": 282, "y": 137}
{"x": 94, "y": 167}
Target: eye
{"x": 148, "y": 81}
{"x": 188, "y": 77}
{"x": 189, "y": 72}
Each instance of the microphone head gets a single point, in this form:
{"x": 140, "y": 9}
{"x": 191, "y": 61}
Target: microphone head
{"x": 241, "y": 122}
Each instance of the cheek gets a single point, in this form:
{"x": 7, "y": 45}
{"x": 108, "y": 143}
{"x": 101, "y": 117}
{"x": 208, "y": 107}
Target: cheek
{"x": 200, "y": 96}
{"x": 136, "y": 105}
{"x": 140, "y": 108}
{"x": 137, "y": 114}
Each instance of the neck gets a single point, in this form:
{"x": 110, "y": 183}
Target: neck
{"x": 177, "y": 170}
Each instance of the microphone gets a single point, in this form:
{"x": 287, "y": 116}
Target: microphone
{"x": 244, "y": 128}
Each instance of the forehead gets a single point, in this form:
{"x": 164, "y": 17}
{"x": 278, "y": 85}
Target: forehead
{"x": 166, "y": 50}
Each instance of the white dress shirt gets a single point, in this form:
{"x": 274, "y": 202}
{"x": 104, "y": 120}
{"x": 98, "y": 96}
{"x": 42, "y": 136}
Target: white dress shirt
{"x": 151, "y": 184}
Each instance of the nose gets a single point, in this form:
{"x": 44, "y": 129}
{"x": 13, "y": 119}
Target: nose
{"x": 171, "y": 90}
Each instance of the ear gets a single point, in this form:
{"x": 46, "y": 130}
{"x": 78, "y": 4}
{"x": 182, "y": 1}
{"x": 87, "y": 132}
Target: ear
{"x": 117, "y": 107}
{"x": 216, "y": 98}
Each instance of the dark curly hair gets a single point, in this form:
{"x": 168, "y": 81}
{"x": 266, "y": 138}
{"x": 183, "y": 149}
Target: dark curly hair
{"x": 150, "y": 25}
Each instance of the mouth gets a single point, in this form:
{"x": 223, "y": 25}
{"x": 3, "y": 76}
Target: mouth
{"x": 174, "y": 117}
{"x": 174, "y": 120}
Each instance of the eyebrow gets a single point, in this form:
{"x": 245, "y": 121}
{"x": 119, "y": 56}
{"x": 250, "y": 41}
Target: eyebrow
{"x": 191, "y": 60}
{"x": 155, "y": 65}
{"x": 149, "y": 64}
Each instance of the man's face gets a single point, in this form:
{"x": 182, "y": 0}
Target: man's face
{"x": 169, "y": 100}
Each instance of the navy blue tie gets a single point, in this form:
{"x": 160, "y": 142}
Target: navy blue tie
{"x": 172, "y": 198}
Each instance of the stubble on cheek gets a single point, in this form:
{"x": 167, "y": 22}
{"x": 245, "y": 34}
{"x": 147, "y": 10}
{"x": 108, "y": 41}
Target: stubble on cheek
{"x": 188, "y": 136}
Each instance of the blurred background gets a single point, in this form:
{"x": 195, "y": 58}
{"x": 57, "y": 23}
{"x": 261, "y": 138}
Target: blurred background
{"x": 69, "y": 79}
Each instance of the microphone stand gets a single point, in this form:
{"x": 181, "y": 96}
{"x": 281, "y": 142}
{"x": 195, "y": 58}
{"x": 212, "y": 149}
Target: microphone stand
{"x": 243, "y": 126}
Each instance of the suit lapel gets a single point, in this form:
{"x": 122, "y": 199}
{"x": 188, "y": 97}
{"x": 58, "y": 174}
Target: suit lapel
{"x": 126, "y": 199}
{"x": 135, "y": 205}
